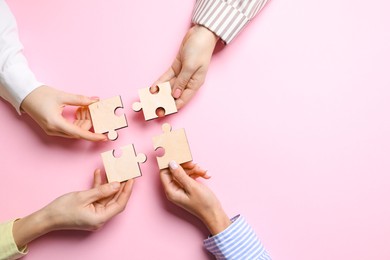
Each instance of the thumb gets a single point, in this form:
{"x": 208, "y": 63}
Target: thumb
{"x": 78, "y": 100}
{"x": 181, "y": 176}
{"x": 181, "y": 82}
{"x": 167, "y": 76}
{"x": 102, "y": 191}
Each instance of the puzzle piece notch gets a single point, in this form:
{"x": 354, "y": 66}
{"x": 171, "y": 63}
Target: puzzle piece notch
{"x": 175, "y": 145}
{"x": 104, "y": 118}
{"x": 124, "y": 167}
{"x": 150, "y": 102}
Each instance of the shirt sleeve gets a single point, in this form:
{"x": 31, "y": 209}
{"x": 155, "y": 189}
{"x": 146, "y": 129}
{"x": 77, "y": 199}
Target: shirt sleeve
{"x": 8, "y": 248}
{"x": 16, "y": 78}
{"x": 226, "y": 18}
{"x": 238, "y": 241}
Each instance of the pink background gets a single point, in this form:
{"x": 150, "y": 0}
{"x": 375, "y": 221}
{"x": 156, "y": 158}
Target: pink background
{"x": 292, "y": 123}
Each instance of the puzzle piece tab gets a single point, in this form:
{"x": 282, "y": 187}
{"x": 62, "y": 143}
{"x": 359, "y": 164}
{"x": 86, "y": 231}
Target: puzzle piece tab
{"x": 125, "y": 167}
{"x": 104, "y": 119}
{"x": 149, "y": 102}
{"x": 175, "y": 145}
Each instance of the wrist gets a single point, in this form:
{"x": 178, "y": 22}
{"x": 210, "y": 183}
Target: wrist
{"x": 31, "y": 227}
{"x": 216, "y": 221}
{"x": 207, "y": 33}
{"x": 27, "y": 100}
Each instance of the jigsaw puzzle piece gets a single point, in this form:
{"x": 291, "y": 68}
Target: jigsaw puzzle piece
{"x": 104, "y": 119}
{"x": 149, "y": 102}
{"x": 175, "y": 145}
{"x": 125, "y": 167}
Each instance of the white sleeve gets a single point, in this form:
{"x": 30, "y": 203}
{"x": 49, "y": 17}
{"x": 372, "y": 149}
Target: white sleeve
{"x": 16, "y": 78}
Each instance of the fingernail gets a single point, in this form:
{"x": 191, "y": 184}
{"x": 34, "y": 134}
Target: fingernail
{"x": 173, "y": 165}
{"x": 115, "y": 185}
{"x": 94, "y": 98}
{"x": 177, "y": 93}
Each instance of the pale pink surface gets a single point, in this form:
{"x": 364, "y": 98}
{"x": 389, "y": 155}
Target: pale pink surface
{"x": 292, "y": 123}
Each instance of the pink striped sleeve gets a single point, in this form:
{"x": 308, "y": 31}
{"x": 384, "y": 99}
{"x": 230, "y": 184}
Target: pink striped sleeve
{"x": 226, "y": 18}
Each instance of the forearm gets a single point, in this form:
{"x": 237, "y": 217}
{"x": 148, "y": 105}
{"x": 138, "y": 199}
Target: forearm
{"x": 226, "y": 18}
{"x": 16, "y": 78}
{"x": 31, "y": 227}
{"x": 216, "y": 221}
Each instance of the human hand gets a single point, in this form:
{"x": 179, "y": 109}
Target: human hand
{"x": 189, "y": 69}
{"x": 182, "y": 189}
{"x": 90, "y": 209}
{"x": 45, "y": 105}
{"x": 84, "y": 210}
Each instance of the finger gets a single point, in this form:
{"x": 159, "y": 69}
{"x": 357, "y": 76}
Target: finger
{"x": 188, "y": 165}
{"x": 76, "y": 132}
{"x": 185, "y": 97}
{"x": 181, "y": 82}
{"x": 191, "y": 167}
{"x": 173, "y": 190}
{"x": 97, "y": 178}
{"x": 194, "y": 170}
{"x": 79, "y": 117}
{"x": 119, "y": 192}
{"x": 181, "y": 176}
{"x": 60, "y": 134}
{"x": 170, "y": 185}
{"x": 166, "y": 178}
{"x": 78, "y": 100}
{"x": 126, "y": 193}
{"x": 168, "y": 75}
{"x": 83, "y": 124}
{"x": 101, "y": 192}
{"x": 197, "y": 171}
{"x": 117, "y": 206}
{"x": 82, "y": 113}
{"x": 195, "y": 176}
{"x": 83, "y": 119}
{"x": 195, "y": 82}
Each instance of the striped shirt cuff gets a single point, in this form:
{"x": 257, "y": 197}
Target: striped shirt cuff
{"x": 8, "y": 248}
{"x": 226, "y": 18}
{"x": 238, "y": 241}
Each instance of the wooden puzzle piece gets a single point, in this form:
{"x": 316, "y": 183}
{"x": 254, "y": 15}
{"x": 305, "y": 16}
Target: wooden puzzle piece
{"x": 104, "y": 119}
{"x": 175, "y": 145}
{"x": 149, "y": 102}
{"x": 125, "y": 167}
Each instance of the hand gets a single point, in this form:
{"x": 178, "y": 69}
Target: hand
{"x": 85, "y": 210}
{"x": 193, "y": 196}
{"x": 89, "y": 210}
{"x": 189, "y": 69}
{"x": 45, "y": 105}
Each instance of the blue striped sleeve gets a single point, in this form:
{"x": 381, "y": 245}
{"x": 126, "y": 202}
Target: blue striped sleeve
{"x": 238, "y": 241}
